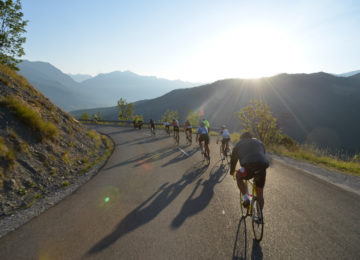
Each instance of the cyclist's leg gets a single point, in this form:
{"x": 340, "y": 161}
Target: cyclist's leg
{"x": 260, "y": 183}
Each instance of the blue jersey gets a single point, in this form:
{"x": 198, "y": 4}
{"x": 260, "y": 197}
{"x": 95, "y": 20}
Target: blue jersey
{"x": 202, "y": 130}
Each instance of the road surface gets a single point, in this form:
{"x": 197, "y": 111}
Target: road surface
{"x": 153, "y": 200}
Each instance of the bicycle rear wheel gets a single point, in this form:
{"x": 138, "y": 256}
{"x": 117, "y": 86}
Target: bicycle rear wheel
{"x": 257, "y": 220}
{"x": 177, "y": 139}
{"x": 244, "y": 211}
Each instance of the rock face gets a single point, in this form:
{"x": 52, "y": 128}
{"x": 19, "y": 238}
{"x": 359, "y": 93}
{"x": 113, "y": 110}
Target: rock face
{"x": 42, "y": 148}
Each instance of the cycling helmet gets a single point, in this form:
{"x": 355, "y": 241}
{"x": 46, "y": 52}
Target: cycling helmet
{"x": 223, "y": 127}
{"x": 202, "y": 124}
{"x": 246, "y": 135}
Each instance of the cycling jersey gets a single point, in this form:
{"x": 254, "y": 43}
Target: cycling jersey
{"x": 202, "y": 130}
{"x": 175, "y": 123}
{"x": 225, "y": 134}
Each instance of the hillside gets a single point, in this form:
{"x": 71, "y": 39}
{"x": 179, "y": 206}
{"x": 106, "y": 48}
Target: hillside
{"x": 60, "y": 88}
{"x": 42, "y": 148}
{"x": 315, "y": 108}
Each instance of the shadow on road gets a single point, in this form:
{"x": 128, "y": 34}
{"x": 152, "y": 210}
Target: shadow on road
{"x": 149, "y": 209}
{"x": 192, "y": 205}
{"x": 241, "y": 244}
{"x": 151, "y": 139}
{"x": 146, "y": 158}
{"x": 180, "y": 157}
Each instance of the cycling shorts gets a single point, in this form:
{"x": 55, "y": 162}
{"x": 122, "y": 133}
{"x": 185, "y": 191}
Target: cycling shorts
{"x": 176, "y": 129}
{"x": 256, "y": 171}
{"x": 224, "y": 141}
{"x": 205, "y": 138}
{"x": 189, "y": 129}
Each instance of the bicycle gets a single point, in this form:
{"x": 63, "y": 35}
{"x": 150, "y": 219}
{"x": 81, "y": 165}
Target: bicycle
{"x": 167, "y": 130}
{"x": 205, "y": 154}
{"x": 189, "y": 138}
{"x": 152, "y": 129}
{"x": 176, "y": 138}
{"x": 228, "y": 153}
{"x": 253, "y": 210}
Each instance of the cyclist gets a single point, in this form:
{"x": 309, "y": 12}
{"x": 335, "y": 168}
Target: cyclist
{"x": 167, "y": 127}
{"x": 207, "y": 124}
{"x": 188, "y": 130}
{"x": 175, "y": 124}
{"x": 152, "y": 126}
{"x": 224, "y": 133}
{"x": 204, "y": 136}
{"x": 251, "y": 154}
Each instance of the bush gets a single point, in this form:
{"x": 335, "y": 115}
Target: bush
{"x": 3, "y": 147}
{"x": 30, "y": 117}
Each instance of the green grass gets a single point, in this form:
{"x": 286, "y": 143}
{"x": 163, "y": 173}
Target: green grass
{"x": 30, "y": 117}
{"x": 3, "y": 147}
{"x": 65, "y": 184}
{"x": 95, "y": 136}
{"x": 109, "y": 147}
{"x": 313, "y": 155}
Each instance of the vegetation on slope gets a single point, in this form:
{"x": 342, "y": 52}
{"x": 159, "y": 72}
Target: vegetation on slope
{"x": 42, "y": 148}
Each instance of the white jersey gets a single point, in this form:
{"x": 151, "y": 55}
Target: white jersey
{"x": 166, "y": 124}
{"x": 225, "y": 134}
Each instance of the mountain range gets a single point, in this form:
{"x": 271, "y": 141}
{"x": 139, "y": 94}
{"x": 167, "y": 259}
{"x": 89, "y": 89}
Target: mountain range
{"x": 315, "y": 108}
{"x": 101, "y": 90}
{"x": 80, "y": 77}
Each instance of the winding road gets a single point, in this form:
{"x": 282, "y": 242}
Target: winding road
{"x": 153, "y": 200}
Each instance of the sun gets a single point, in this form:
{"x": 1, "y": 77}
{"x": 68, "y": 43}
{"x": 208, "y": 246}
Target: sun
{"x": 249, "y": 51}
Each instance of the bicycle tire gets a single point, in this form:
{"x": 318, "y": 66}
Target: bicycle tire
{"x": 257, "y": 223}
{"x": 244, "y": 211}
{"x": 177, "y": 139}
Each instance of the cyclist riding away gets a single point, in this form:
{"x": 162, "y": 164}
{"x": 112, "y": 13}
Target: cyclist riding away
{"x": 152, "y": 126}
{"x": 188, "y": 130}
{"x": 175, "y": 124}
{"x": 203, "y": 135}
{"x": 167, "y": 127}
{"x": 224, "y": 133}
{"x": 251, "y": 154}
{"x": 207, "y": 124}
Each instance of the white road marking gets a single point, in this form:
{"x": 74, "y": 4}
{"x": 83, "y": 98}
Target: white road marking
{"x": 184, "y": 152}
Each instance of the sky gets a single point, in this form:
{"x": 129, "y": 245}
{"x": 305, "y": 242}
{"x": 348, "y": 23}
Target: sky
{"x": 194, "y": 40}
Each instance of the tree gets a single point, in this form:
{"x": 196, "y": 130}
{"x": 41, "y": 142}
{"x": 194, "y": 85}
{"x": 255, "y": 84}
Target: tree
{"x": 85, "y": 116}
{"x": 257, "y": 119}
{"x": 126, "y": 110}
{"x": 12, "y": 28}
{"x": 193, "y": 117}
{"x": 99, "y": 117}
{"x": 169, "y": 115}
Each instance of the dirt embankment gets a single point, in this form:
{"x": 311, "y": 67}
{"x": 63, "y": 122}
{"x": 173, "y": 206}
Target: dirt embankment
{"x": 42, "y": 148}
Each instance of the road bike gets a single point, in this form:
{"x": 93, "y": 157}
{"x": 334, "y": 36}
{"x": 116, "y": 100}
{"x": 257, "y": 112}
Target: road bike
{"x": 167, "y": 130}
{"x": 176, "y": 138}
{"x": 152, "y": 129}
{"x": 254, "y": 210}
{"x": 205, "y": 154}
{"x": 228, "y": 153}
{"x": 189, "y": 137}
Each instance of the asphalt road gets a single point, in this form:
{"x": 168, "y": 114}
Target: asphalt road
{"x": 154, "y": 201}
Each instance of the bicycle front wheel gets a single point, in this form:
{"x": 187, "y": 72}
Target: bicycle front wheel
{"x": 257, "y": 221}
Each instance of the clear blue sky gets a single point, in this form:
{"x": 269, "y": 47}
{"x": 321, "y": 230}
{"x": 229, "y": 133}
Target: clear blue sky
{"x": 192, "y": 40}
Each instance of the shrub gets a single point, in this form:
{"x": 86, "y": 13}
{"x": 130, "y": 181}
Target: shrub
{"x": 3, "y": 147}
{"x": 235, "y": 137}
{"x": 65, "y": 183}
{"x": 30, "y": 117}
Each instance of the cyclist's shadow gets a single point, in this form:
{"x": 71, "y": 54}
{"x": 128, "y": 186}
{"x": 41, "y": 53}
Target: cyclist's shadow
{"x": 241, "y": 244}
